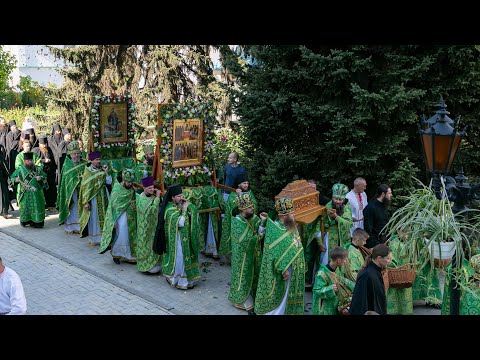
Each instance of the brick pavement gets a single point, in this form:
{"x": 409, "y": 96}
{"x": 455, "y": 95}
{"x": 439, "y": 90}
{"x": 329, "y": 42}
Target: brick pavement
{"x": 58, "y": 268}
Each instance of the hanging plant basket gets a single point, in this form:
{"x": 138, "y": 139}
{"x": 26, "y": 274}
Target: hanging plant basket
{"x": 442, "y": 250}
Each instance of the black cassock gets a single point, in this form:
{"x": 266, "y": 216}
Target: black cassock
{"x": 49, "y": 169}
{"x": 12, "y": 149}
{"x": 4, "y": 183}
{"x": 54, "y": 144}
{"x": 369, "y": 292}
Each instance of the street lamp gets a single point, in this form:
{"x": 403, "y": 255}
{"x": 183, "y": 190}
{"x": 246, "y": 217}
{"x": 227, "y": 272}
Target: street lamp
{"x": 440, "y": 141}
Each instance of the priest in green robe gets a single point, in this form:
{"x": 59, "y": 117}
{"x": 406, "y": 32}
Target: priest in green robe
{"x": 338, "y": 218}
{"x": 26, "y": 146}
{"x": 281, "y": 283}
{"x": 30, "y": 182}
{"x": 148, "y": 203}
{"x": 231, "y": 210}
{"x": 176, "y": 239}
{"x": 93, "y": 199}
{"x": 145, "y": 167}
{"x": 332, "y": 293}
{"x": 119, "y": 231}
{"x": 68, "y": 190}
{"x": 247, "y": 234}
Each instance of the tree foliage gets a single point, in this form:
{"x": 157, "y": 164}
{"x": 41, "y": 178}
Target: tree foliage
{"x": 335, "y": 113}
{"x": 153, "y": 73}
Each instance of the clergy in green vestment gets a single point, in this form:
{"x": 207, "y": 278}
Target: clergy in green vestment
{"x": 145, "y": 166}
{"x": 26, "y": 145}
{"x": 281, "y": 283}
{"x": 68, "y": 190}
{"x": 355, "y": 258}
{"x": 93, "y": 199}
{"x": 247, "y": 233}
{"x": 332, "y": 293}
{"x": 338, "y": 218}
{"x": 176, "y": 238}
{"x": 119, "y": 231}
{"x": 30, "y": 182}
{"x": 231, "y": 210}
{"x": 399, "y": 300}
{"x": 148, "y": 203}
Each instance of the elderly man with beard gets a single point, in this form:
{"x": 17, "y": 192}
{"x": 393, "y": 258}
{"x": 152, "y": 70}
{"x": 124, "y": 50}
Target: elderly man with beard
{"x": 376, "y": 215}
{"x": 247, "y": 234}
{"x": 338, "y": 218}
{"x": 281, "y": 282}
{"x": 69, "y": 189}
{"x": 93, "y": 199}
{"x": 120, "y": 228}
{"x": 30, "y": 198}
{"x": 47, "y": 161}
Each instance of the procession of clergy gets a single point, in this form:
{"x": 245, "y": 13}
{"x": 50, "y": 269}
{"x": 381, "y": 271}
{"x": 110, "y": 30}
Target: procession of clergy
{"x": 272, "y": 262}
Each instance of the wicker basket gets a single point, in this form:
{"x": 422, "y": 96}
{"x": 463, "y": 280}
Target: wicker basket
{"x": 401, "y": 277}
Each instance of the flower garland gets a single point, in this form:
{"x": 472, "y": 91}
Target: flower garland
{"x": 95, "y": 121}
{"x": 190, "y": 175}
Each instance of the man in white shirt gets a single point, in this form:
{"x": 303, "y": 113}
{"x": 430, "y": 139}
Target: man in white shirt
{"x": 12, "y": 296}
{"x": 358, "y": 201}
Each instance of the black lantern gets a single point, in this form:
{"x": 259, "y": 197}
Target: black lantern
{"x": 441, "y": 141}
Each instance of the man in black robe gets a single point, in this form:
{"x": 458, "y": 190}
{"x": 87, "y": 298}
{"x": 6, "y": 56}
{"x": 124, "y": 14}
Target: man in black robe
{"x": 47, "y": 158}
{"x": 13, "y": 138}
{"x": 369, "y": 292}
{"x": 67, "y": 137}
{"x": 5, "y": 185}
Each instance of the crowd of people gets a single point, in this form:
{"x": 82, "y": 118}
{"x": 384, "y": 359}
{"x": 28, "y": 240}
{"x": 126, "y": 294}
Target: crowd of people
{"x": 273, "y": 259}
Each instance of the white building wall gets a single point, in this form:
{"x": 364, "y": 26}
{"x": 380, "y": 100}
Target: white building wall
{"x": 37, "y": 62}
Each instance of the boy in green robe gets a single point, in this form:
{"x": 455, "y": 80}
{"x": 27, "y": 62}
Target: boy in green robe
{"x": 148, "y": 203}
{"x": 331, "y": 289}
{"x": 120, "y": 227}
{"x": 176, "y": 238}
{"x": 247, "y": 233}
{"x": 338, "y": 218}
{"x": 30, "y": 182}
{"x": 355, "y": 258}
{"x": 281, "y": 283}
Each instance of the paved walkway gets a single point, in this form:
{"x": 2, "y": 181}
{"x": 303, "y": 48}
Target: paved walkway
{"x": 62, "y": 274}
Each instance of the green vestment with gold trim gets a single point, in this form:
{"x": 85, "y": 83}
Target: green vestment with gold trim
{"x": 30, "y": 196}
{"x": 69, "y": 181}
{"x": 469, "y": 299}
{"x": 230, "y": 211}
{"x": 311, "y": 248}
{"x": 325, "y": 300}
{"x": 121, "y": 199}
{"x": 93, "y": 185}
{"x": 282, "y": 249}
{"x": 36, "y": 160}
{"x": 139, "y": 171}
{"x": 355, "y": 261}
{"x": 188, "y": 234}
{"x": 338, "y": 229}
{"x": 147, "y": 217}
{"x": 246, "y": 258}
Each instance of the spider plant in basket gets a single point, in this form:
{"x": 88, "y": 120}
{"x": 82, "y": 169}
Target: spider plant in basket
{"x": 431, "y": 225}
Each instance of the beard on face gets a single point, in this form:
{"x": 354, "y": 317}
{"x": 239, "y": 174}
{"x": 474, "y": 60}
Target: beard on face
{"x": 150, "y": 161}
{"x": 128, "y": 186}
{"x": 249, "y": 216}
{"x": 387, "y": 202}
{"x": 339, "y": 208}
{"x": 289, "y": 223}
{"x": 29, "y": 166}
